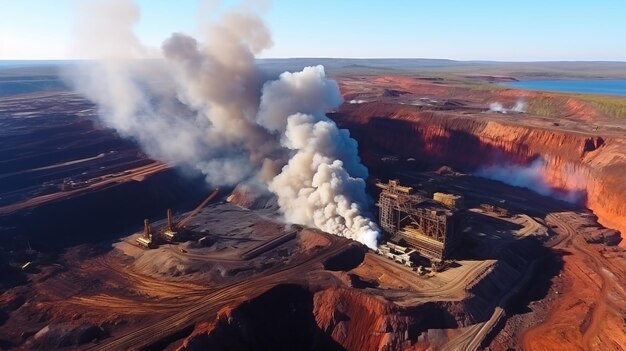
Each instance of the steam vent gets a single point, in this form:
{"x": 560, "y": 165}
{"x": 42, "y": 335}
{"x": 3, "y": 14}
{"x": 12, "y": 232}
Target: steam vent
{"x": 431, "y": 227}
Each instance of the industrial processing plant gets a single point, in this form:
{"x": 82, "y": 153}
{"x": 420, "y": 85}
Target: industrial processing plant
{"x": 430, "y": 226}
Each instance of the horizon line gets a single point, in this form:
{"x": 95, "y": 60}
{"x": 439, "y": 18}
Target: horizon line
{"x": 339, "y": 58}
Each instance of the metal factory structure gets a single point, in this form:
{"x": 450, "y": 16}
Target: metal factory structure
{"x": 429, "y": 226}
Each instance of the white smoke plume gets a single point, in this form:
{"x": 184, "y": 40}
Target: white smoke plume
{"x": 207, "y": 107}
{"x": 497, "y": 107}
{"x": 356, "y": 101}
{"x": 530, "y": 177}
{"x": 194, "y": 109}
{"x": 519, "y": 107}
{"x": 323, "y": 184}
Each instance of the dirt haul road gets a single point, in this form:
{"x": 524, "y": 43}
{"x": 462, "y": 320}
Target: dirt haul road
{"x": 586, "y": 316}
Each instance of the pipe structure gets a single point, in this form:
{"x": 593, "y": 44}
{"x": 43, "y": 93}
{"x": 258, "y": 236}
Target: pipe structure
{"x": 170, "y": 220}
{"x": 146, "y": 227}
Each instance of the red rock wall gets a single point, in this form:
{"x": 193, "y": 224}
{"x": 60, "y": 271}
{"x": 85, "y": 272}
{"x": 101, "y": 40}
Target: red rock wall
{"x": 288, "y": 317}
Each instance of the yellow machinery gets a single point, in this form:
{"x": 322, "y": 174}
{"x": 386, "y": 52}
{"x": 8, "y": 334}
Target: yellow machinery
{"x": 172, "y": 232}
{"x": 450, "y": 200}
{"x": 147, "y": 239}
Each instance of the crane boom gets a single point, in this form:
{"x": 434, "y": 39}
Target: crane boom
{"x": 197, "y": 209}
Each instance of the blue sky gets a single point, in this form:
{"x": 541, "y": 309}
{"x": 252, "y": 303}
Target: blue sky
{"x": 457, "y": 29}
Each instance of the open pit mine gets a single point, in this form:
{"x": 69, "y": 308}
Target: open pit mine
{"x": 497, "y": 231}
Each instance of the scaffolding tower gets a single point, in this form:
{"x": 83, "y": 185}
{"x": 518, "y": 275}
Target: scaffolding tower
{"x": 426, "y": 225}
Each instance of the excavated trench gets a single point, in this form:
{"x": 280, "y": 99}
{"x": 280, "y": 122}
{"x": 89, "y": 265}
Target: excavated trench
{"x": 101, "y": 215}
{"x": 297, "y": 317}
{"x": 588, "y": 167}
{"x": 292, "y": 317}
{"x": 280, "y": 319}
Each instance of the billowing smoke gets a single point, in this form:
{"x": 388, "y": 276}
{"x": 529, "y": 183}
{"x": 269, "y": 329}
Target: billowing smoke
{"x": 208, "y": 107}
{"x": 497, "y": 107}
{"x": 323, "y": 184}
{"x": 356, "y": 101}
{"x": 196, "y": 108}
{"x": 518, "y": 107}
{"x": 530, "y": 177}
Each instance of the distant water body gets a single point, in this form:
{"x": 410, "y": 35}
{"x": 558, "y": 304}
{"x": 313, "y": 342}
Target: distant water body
{"x": 586, "y": 86}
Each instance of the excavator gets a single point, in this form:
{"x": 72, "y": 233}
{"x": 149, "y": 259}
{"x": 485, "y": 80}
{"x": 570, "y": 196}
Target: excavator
{"x": 173, "y": 231}
{"x": 147, "y": 239}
